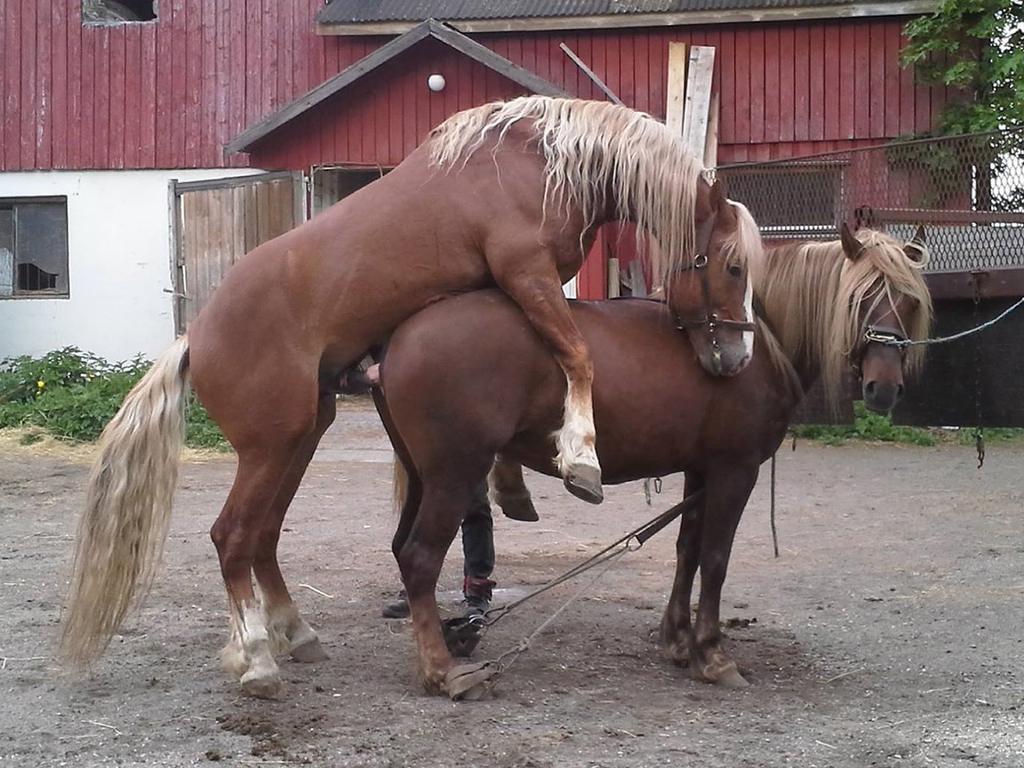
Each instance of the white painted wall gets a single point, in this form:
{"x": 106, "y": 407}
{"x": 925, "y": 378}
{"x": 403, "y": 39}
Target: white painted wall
{"x": 118, "y": 259}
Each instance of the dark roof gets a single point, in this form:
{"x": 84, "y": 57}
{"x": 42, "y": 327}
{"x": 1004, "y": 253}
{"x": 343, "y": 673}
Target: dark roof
{"x": 366, "y": 11}
{"x": 385, "y": 53}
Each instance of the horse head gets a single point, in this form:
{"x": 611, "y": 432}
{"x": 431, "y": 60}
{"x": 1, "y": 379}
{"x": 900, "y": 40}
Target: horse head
{"x": 891, "y": 306}
{"x": 711, "y": 295}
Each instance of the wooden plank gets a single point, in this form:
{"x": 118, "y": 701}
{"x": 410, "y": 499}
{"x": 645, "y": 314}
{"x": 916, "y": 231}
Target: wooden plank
{"x": 192, "y": 88}
{"x": 834, "y": 90}
{"x": 118, "y": 107}
{"x": 43, "y": 132}
{"x": 877, "y": 83}
{"x": 179, "y": 125}
{"x": 787, "y": 87}
{"x": 27, "y": 45}
{"x": 188, "y": 257}
{"x": 711, "y": 141}
{"x": 626, "y": 88}
{"x": 892, "y": 79}
{"x": 637, "y": 280}
{"x": 133, "y": 96}
{"x": 771, "y": 84}
{"x": 597, "y": 81}
{"x": 237, "y": 74}
{"x": 756, "y": 54}
{"x": 698, "y": 97}
{"x": 251, "y": 216}
{"x": 238, "y": 223}
{"x": 614, "y": 291}
{"x": 861, "y": 80}
{"x": 741, "y": 130}
{"x": 816, "y": 71}
{"x": 801, "y": 83}
{"x": 60, "y": 112}
{"x": 907, "y": 124}
{"x": 675, "y": 89}
{"x": 210, "y": 94}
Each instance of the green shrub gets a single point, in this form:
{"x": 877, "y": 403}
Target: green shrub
{"x": 73, "y": 394}
{"x": 866, "y": 426}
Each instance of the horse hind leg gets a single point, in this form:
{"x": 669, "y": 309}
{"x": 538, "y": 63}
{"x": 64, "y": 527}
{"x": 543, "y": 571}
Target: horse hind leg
{"x": 236, "y": 534}
{"x": 509, "y": 491}
{"x": 288, "y": 631}
{"x": 533, "y": 283}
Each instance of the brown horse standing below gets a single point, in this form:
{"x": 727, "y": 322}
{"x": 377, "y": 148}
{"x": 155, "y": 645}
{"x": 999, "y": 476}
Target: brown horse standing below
{"x": 508, "y": 194}
{"x": 467, "y": 379}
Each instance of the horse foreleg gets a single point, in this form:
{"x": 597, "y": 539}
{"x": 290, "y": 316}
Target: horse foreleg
{"x": 675, "y": 624}
{"x": 289, "y": 632}
{"x": 236, "y": 535}
{"x": 535, "y": 286}
{"x": 727, "y": 493}
{"x": 509, "y": 491}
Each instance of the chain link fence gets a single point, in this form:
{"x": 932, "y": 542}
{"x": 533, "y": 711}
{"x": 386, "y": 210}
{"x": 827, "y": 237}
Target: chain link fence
{"x": 968, "y": 192}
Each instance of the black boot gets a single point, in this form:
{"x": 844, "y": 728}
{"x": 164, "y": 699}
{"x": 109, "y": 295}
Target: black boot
{"x": 477, "y": 593}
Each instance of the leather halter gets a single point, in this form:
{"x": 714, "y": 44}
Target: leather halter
{"x": 885, "y": 335}
{"x": 710, "y": 320}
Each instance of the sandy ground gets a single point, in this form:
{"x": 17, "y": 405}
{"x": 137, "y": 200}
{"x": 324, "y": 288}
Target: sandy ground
{"x": 889, "y": 633}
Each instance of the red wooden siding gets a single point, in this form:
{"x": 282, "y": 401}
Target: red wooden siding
{"x": 171, "y": 93}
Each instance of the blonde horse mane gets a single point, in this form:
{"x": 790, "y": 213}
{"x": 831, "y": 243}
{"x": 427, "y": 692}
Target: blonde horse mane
{"x": 591, "y": 147}
{"x": 815, "y": 297}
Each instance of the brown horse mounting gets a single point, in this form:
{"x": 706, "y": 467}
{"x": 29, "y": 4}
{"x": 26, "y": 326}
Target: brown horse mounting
{"x": 508, "y": 194}
{"x": 467, "y": 379}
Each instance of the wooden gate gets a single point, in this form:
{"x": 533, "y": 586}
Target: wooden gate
{"x": 216, "y": 222}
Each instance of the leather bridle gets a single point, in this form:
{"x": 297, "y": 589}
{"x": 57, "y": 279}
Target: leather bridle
{"x": 710, "y": 320}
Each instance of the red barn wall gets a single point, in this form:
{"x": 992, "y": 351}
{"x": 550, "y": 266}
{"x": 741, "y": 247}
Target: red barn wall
{"x": 171, "y": 93}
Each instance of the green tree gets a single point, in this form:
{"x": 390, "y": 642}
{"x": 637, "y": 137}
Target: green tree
{"x": 977, "y": 47}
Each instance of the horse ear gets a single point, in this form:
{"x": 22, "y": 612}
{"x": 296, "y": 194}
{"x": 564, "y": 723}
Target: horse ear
{"x": 851, "y": 245}
{"x": 917, "y": 248}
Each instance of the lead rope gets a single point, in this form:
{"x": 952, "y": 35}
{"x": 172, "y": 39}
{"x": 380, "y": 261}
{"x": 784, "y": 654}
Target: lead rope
{"x": 775, "y": 533}
{"x": 607, "y": 557}
{"x": 979, "y": 431}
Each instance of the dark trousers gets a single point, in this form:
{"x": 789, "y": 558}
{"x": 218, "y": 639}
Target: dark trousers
{"x": 478, "y": 536}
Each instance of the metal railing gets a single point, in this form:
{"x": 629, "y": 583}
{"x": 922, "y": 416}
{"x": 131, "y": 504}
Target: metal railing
{"x": 967, "y": 190}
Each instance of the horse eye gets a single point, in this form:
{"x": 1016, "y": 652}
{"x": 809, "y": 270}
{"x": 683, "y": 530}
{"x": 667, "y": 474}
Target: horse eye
{"x": 735, "y": 270}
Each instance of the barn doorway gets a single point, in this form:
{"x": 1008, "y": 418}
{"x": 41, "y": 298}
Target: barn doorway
{"x": 332, "y": 183}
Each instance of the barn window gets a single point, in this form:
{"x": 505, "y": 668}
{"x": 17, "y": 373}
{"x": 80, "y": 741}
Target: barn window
{"x": 791, "y": 201}
{"x": 33, "y": 247}
{"x": 118, "y": 11}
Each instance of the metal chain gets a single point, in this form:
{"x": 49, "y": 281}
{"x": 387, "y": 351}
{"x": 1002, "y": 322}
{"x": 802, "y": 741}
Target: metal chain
{"x": 979, "y": 433}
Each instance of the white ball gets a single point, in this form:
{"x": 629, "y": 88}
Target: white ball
{"x": 436, "y": 82}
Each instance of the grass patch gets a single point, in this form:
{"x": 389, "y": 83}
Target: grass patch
{"x": 71, "y": 395}
{"x": 877, "y": 427}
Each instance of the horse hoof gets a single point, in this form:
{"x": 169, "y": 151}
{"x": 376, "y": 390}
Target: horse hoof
{"x": 584, "y": 482}
{"x": 262, "y": 686}
{"x": 233, "y": 661}
{"x": 677, "y": 653}
{"x": 518, "y": 508}
{"x": 470, "y": 682}
{"x": 309, "y": 652}
{"x": 726, "y": 675}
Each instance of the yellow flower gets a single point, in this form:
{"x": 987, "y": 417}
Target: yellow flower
{"x": 41, "y": 384}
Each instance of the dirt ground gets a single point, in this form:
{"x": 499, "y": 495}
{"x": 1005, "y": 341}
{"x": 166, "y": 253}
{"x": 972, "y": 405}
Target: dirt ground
{"x": 889, "y": 633}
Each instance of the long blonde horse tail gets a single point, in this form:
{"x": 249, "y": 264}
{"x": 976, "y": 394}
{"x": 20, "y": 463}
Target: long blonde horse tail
{"x": 399, "y": 483}
{"x": 128, "y": 507}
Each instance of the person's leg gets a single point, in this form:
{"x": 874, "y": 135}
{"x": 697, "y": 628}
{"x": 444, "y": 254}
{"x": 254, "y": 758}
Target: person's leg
{"x": 478, "y": 550}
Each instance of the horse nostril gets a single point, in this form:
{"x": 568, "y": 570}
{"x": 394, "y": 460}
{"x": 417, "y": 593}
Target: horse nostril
{"x": 899, "y": 391}
{"x": 869, "y": 388}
